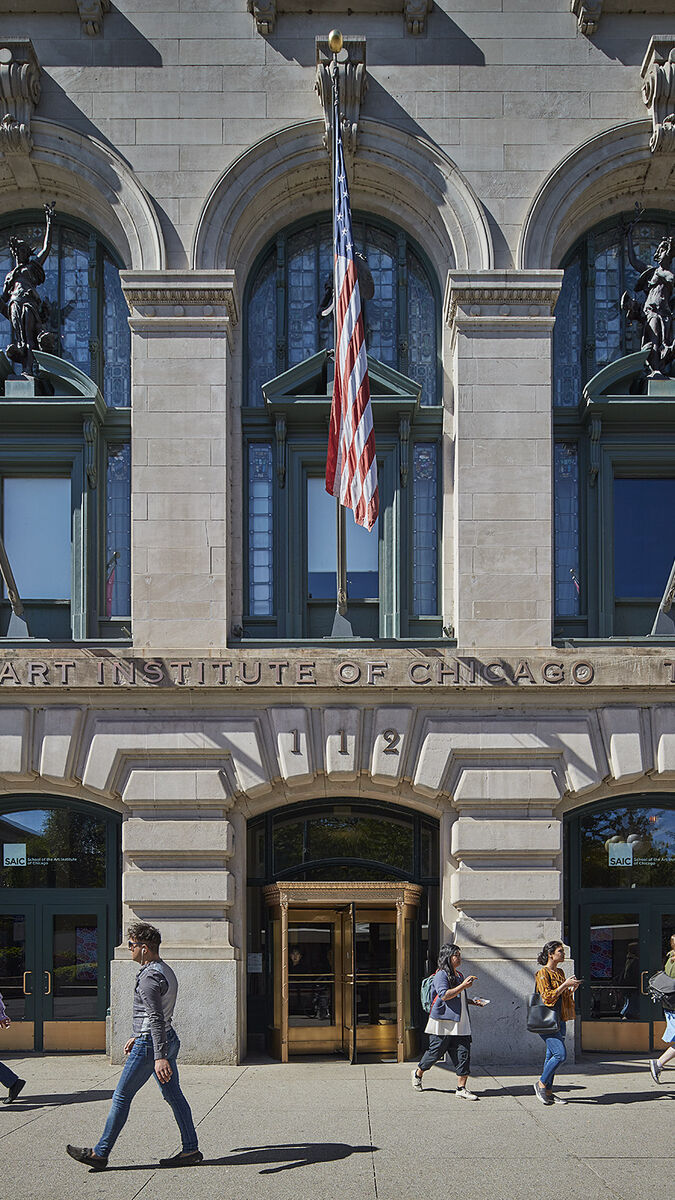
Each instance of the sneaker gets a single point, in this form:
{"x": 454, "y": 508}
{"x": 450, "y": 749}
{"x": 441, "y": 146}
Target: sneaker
{"x": 15, "y": 1088}
{"x": 463, "y": 1093}
{"x": 655, "y": 1070}
{"x": 184, "y": 1158}
{"x": 541, "y": 1094}
{"x": 416, "y": 1081}
{"x": 557, "y": 1099}
{"x": 85, "y": 1154}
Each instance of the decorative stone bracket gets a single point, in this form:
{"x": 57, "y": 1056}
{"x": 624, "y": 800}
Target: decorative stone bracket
{"x": 19, "y": 95}
{"x": 264, "y": 12}
{"x": 587, "y": 13}
{"x": 91, "y": 15}
{"x": 353, "y": 84}
{"x": 658, "y": 91}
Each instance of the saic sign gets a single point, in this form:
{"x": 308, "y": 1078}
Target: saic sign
{"x": 14, "y": 854}
{"x": 620, "y": 854}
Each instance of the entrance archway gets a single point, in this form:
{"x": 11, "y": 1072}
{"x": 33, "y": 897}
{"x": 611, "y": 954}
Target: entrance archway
{"x": 58, "y": 920}
{"x": 343, "y": 912}
{"x": 620, "y": 904}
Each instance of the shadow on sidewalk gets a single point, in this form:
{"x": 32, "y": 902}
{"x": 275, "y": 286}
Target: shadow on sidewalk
{"x": 52, "y": 1100}
{"x": 289, "y": 1155}
{"x": 623, "y": 1097}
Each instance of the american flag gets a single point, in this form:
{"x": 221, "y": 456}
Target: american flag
{"x": 351, "y": 466}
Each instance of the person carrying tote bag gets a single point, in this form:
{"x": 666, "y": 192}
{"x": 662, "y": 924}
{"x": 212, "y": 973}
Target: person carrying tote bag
{"x": 656, "y": 1065}
{"x": 449, "y": 1027}
{"x": 557, "y": 993}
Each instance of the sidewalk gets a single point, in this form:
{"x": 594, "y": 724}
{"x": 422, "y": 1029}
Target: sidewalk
{"x": 327, "y": 1131}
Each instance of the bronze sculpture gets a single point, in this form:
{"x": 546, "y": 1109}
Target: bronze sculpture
{"x": 657, "y": 314}
{"x": 21, "y": 303}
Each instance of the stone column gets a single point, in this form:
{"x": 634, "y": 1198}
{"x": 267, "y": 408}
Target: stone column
{"x": 180, "y": 873}
{"x": 182, "y": 328}
{"x": 506, "y": 890}
{"x": 501, "y": 327}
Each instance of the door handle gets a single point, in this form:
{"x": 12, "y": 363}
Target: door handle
{"x": 25, "y": 976}
{"x": 49, "y": 982}
{"x": 643, "y": 989}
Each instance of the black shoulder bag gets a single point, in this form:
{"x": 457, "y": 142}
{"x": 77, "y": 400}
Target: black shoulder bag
{"x": 541, "y": 1018}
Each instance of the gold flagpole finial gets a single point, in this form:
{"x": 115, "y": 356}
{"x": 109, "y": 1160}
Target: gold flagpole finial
{"x": 335, "y": 41}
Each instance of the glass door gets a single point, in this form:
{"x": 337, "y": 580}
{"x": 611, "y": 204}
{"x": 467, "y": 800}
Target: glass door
{"x": 73, "y": 976}
{"x": 314, "y": 997}
{"x": 376, "y": 955}
{"x": 616, "y": 1012}
{"x": 18, "y": 974}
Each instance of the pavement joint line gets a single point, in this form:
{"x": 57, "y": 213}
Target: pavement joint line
{"x": 370, "y": 1133}
{"x": 147, "y": 1181}
{"x": 48, "y": 1108}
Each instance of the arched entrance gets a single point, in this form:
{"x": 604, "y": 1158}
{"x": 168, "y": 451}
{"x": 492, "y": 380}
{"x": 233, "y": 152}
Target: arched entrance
{"x": 58, "y": 920}
{"x": 620, "y": 907}
{"x": 342, "y": 916}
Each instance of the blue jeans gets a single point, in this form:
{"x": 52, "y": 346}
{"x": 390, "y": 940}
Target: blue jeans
{"x": 555, "y": 1054}
{"x": 7, "y": 1076}
{"x": 140, "y": 1065}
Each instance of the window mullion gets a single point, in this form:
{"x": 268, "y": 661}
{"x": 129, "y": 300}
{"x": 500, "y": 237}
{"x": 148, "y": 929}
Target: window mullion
{"x": 402, "y": 303}
{"x": 282, "y": 314}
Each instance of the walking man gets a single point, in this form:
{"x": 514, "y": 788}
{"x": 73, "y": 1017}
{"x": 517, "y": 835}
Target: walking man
{"x": 7, "y": 1076}
{"x": 152, "y": 1050}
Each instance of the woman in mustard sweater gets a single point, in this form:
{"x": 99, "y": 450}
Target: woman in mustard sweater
{"x": 557, "y": 992}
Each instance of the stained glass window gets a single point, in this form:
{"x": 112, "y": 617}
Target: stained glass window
{"x": 400, "y": 320}
{"x": 425, "y": 530}
{"x": 590, "y": 329}
{"x": 85, "y": 307}
{"x": 118, "y": 532}
{"x": 260, "y": 530}
{"x": 567, "y": 583}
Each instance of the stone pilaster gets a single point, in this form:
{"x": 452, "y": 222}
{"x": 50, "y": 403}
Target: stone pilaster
{"x": 179, "y": 846}
{"x": 501, "y": 325}
{"x": 182, "y": 327}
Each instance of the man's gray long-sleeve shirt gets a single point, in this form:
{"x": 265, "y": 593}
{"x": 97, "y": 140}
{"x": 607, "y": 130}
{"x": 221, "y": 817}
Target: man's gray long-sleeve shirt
{"x": 154, "y": 1001}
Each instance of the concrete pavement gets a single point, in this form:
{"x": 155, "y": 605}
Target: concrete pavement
{"x": 323, "y": 1129}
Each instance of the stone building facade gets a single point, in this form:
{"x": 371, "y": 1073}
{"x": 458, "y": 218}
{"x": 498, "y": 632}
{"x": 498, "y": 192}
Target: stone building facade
{"x": 498, "y": 148}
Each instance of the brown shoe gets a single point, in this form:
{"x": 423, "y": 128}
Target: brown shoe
{"x": 85, "y": 1154}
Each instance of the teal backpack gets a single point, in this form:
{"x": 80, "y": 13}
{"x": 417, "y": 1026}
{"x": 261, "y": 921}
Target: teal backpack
{"x": 428, "y": 993}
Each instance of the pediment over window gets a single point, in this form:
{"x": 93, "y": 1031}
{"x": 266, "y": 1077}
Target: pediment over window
{"x": 307, "y": 388}
{"x": 91, "y": 11}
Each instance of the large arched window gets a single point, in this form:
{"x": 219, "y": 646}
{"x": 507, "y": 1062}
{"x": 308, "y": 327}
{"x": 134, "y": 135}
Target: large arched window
{"x": 289, "y": 281}
{"x": 65, "y": 497}
{"x": 614, "y": 470}
{"x": 289, "y": 525}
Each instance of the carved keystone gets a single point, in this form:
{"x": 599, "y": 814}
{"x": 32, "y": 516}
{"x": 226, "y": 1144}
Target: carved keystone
{"x": 19, "y": 94}
{"x": 658, "y": 91}
{"x": 353, "y": 84}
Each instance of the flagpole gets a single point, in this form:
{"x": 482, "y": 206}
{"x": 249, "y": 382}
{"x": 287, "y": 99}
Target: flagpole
{"x": 341, "y": 624}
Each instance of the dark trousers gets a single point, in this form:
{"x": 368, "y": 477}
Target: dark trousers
{"x": 7, "y": 1076}
{"x": 458, "y": 1047}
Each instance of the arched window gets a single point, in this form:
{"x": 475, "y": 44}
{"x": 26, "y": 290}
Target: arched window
{"x": 87, "y": 311}
{"x": 400, "y": 321}
{"x": 65, "y": 498}
{"x": 614, "y": 471}
{"x": 393, "y": 572}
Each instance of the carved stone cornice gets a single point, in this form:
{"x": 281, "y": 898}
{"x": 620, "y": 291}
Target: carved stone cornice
{"x": 264, "y": 12}
{"x": 504, "y": 297}
{"x": 658, "y": 91}
{"x": 321, "y": 894}
{"x": 353, "y": 85}
{"x": 587, "y": 13}
{"x": 19, "y": 94}
{"x": 182, "y": 293}
{"x": 91, "y": 11}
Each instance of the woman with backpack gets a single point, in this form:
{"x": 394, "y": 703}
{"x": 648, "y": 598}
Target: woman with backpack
{"x": 557, "y": 992}
{"x": 449, "y": 1026}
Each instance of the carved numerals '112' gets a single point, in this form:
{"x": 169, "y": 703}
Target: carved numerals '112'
{"x": 392, "y": 737}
